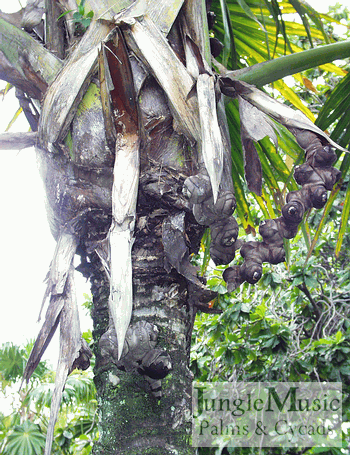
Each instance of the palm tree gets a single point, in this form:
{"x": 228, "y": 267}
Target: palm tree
{"x": 127, "y": 112}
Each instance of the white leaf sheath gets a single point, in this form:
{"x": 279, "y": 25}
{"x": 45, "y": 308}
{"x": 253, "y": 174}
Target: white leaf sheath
{"x": 211, "y": 141}
{"x": 124, "y": 198}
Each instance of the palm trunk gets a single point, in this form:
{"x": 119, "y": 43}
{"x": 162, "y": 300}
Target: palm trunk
{"x": 133, "y": 416}
{"x": 131, "y": 419}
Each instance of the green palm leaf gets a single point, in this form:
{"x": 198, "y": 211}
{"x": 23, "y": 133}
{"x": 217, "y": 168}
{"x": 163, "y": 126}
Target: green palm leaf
{"x": 335, "y": 108}
{"x": 229, "y": 40}
{"x": 14, "y": 118}
{"x": 255, "y": 29}
{"x": 13, "y": 361}
{"x": 79, "y": 388}
{"x": 343, "y": 221}
{"x": 334, "y": 114}
{"x": 301, "y": 10}
{"x": 26, "y": 439}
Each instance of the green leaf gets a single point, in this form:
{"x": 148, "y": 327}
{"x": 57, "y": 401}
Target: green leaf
{"x": 14, "y": 118}
{"x": 335, "y": 104}
{"x": 64, "y": 14}
{"x": 242, "y": 209}
{"x": 249, "y": 12}
{"x": 339, "y": 337}
{"x": 297, "y": 280}
{"x": 300, "y": 9}
{"x": 77, "y": 16}
{"x": 320, "y": 450}
{"x": 85, "y": 21}
{"x": 216, "y": 284}
{"x": 323, "y": 220}
{"x": 343, "y": 221}
{"x": 26, "y": 439}
{"x": 293, "y": 98}
{"x": 280, "y": 25}
{"x": 332, "y": 68}
{"x": 5, "y": 90}
{"x": 12, "y": 362}
{"x": 321, "y": 342}
{"x": 310, "y": 281}
{"x": 229, "y": 39}
{"x": 68, "y": 434}
{"x": 219, "y": 351}
{"x": 205, "y": 244}
{"x": 81, "y": 8}
{"x": 277, "y": 164}
{"x": 316, "y": 18}
{"x": 259, "y": 312}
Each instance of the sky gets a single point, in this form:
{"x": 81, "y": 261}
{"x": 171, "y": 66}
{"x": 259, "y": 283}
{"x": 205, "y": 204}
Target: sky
{"x": 27, "y": 245}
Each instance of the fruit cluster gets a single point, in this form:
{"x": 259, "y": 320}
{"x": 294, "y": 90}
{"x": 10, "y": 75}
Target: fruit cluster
{"x": 317, "y": 176}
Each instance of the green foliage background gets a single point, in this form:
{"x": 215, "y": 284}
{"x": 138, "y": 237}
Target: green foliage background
{"x": 23, "y": 426}
{"x": 294, "y": 324}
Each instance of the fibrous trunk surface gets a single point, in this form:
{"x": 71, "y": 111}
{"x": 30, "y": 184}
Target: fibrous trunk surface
{"x": 133, "y": 420}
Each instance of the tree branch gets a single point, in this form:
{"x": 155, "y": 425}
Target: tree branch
{"x": 305, "y": 290}
{"x": 17, "y": 141}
